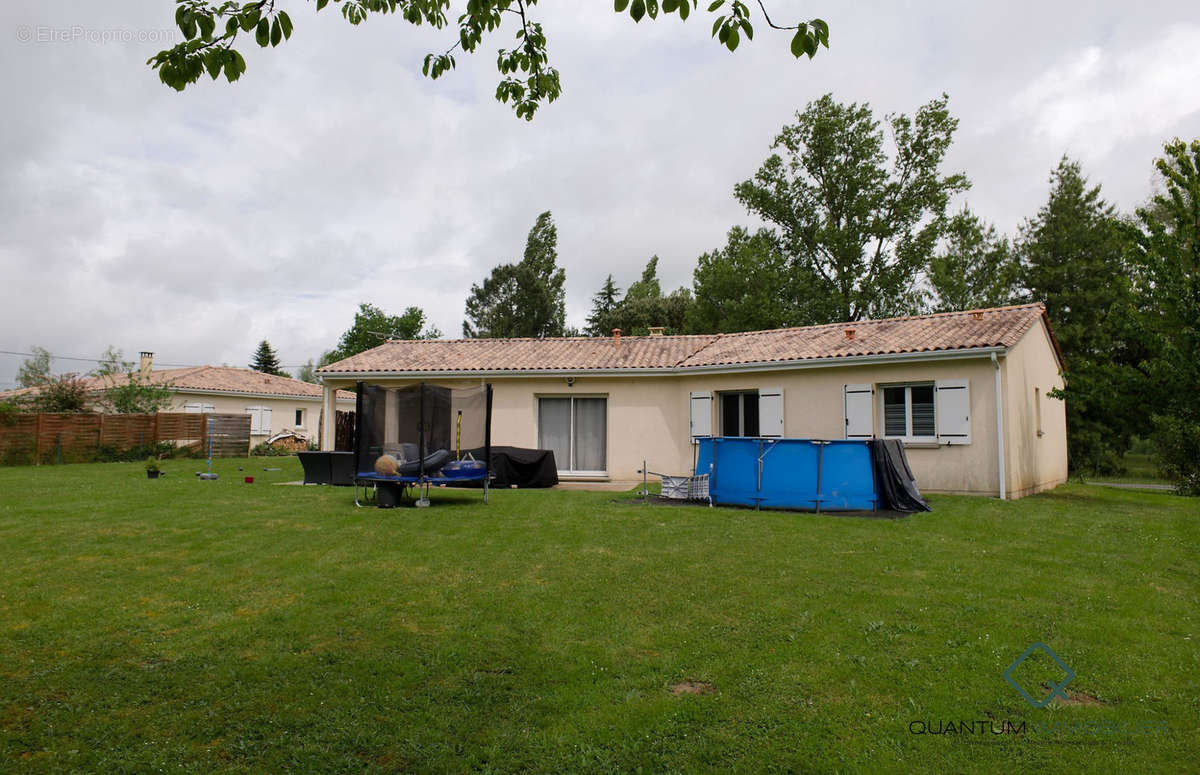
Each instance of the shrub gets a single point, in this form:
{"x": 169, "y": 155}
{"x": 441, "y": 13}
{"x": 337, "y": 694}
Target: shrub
{"x": 1178, "y": 442}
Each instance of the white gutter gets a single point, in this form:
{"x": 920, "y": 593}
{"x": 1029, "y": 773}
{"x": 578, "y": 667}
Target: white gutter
{"x": 247, "y": 394}
{"x": 677, "y": 371}
{"x": 999, "y": 427}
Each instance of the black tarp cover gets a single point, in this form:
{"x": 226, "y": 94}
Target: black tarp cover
{"x": 894, "y": 480}
{"x": 519, "y": 466}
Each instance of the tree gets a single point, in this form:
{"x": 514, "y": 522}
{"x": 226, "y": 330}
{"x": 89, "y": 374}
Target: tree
{"x": 135, "y": 395}
{"x": 1072, "y": 259}
{"x": 34, "y": 370}
{"x": 265, "y": 360}
{"x": 307, "y": 372}
{"x": 635, "y": 316}
{"x": 1165, "y": 253}
{"x": 976, "y": 268}
{"x": 212, "y": 29}
{"x": 603, "y": 303}
{"x": 745, "y": 286}
{"x": 648, "y": 286}
{"x": 66, "y": 393}
{"x": 522, "y": 299}
{"x": 643, "y": 307}
{"x": 856, "y": 233}
{"x": 112, "y": 362}
{"x": 372, "y": 327}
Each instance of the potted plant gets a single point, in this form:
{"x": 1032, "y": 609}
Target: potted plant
{"x": 152, "y": 469}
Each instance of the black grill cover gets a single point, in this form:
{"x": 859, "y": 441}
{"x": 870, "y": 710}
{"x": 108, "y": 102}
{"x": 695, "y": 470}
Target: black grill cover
{"x": 894, "y": 480}
{"x": 522, "y": 467}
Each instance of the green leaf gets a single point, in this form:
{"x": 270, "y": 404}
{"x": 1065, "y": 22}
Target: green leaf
{"x": 321, "y": 4}
{"x": 685, "y": 8}
{"x": 798, "y": 45}
{"x": 620, "y": 5}
{"x": 731, "y": 40}
{"x": 638, "y": 10}
{"x": 717, "y": 24}
{"x": 276, "y": 32}
{"x": 207, "y": 24}
{"x": 249, "y": 19}
{"x": 263, "y": 33}
{"x": 748, "y": 29}
{"x": 213, "y": 62}
{"x": 285, "y": 23}
{"x": 234, "y": 66}
{"x": 670, "y": 6}
{"x": 810, "y": 46}
{"x": 716, "y": 4}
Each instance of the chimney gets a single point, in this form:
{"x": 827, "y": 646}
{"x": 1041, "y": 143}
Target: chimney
{"x": 656, "y": 330}
{"x": 849, "y": 334}
{"x": 147, "y": 365}
{"x": 617, "y": 336}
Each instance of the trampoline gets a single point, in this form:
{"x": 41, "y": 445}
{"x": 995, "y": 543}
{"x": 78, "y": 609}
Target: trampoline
{"x": 432, "y": 432}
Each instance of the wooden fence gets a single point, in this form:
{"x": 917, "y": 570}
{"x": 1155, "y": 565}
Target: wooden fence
{"x": 51, "y": 438}
{"x": 343, "y": 436}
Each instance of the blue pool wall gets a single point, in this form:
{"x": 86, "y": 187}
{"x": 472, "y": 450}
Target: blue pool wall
{"x": 808, "y": 474}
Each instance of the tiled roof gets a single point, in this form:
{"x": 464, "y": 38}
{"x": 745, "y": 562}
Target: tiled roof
{"x": 995, "y": 327}
{"x": 223, "y": 379}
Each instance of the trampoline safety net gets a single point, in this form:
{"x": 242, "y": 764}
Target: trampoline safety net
{"x": 423, "y": 426}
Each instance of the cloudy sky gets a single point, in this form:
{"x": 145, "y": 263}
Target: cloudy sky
{"x": 197, "y": 224}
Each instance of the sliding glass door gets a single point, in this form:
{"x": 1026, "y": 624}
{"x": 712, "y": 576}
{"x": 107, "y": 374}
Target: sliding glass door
{"x": 576, "y": 430}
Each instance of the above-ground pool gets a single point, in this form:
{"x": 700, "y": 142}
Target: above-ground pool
{"x": 789, "y": 473}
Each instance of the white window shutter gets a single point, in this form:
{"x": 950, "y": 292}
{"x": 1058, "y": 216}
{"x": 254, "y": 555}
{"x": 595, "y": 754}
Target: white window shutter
{"x": 770, "y": 412}
{"x": 952, "y": 406}
{"x": 255, "y": 418}
{"x": 701, "y": 414}
{"x": 857, "y": 403}
{"x": 266, "y": 419}
{"x": 193, "y": 408}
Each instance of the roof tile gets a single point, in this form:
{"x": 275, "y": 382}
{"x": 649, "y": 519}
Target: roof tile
{"x": 995, "y": 327}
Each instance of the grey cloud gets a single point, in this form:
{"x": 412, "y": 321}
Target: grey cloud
{"x": 197, "y": 224}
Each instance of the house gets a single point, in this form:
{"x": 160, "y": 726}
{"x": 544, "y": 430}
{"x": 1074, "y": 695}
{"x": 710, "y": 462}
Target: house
{"x": 967, "y": 392}
{"x": 275, "y": 404}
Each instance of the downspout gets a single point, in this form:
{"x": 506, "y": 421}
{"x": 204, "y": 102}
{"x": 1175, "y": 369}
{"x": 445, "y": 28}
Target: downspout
{"x": 999, "y": 427}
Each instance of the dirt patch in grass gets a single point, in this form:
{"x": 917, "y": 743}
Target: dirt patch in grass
{"x": 1075, "y": 699}
{"x": 692, "y": 687}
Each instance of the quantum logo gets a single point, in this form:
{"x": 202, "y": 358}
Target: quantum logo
{"x": 1056, "y": 690}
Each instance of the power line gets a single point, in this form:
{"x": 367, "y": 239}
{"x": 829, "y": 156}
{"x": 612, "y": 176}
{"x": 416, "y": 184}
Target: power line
{"x": 101, "y": 360}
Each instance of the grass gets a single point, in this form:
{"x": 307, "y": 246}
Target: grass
{"x": 218, "y": 626}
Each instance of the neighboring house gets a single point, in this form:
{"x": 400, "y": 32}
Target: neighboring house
{"x": 275, "y": 404}
{"x": 967, "y": 392}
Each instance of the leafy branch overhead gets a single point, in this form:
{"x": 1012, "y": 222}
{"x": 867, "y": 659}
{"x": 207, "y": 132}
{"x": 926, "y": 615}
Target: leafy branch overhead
{"x": 211, "y": 32}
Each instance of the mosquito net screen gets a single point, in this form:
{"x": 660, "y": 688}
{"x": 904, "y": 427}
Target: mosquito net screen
{"x": 423, "y": 426}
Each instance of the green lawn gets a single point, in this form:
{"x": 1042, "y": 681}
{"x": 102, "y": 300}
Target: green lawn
{"x": 198, "y": 626}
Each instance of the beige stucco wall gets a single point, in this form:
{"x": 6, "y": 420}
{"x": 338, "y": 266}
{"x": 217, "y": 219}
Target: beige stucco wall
{"x": 812, "y": 401}
{"x": 1034, "y": 462}
{"x": 283, "y": 410}
{"x": 648, "y": 417}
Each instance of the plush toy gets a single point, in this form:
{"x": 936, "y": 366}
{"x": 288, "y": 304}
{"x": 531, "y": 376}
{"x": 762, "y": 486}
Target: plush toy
{"x": 387, "y": 465}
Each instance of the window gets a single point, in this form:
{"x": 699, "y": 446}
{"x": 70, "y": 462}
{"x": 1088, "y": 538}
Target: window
{"x": 299, "y": 418}
{"x": 908, "y": 411}
{"x": 575, "y": 428}
{"x": 739, "y": 413}
{"x": 197, "y": 408}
